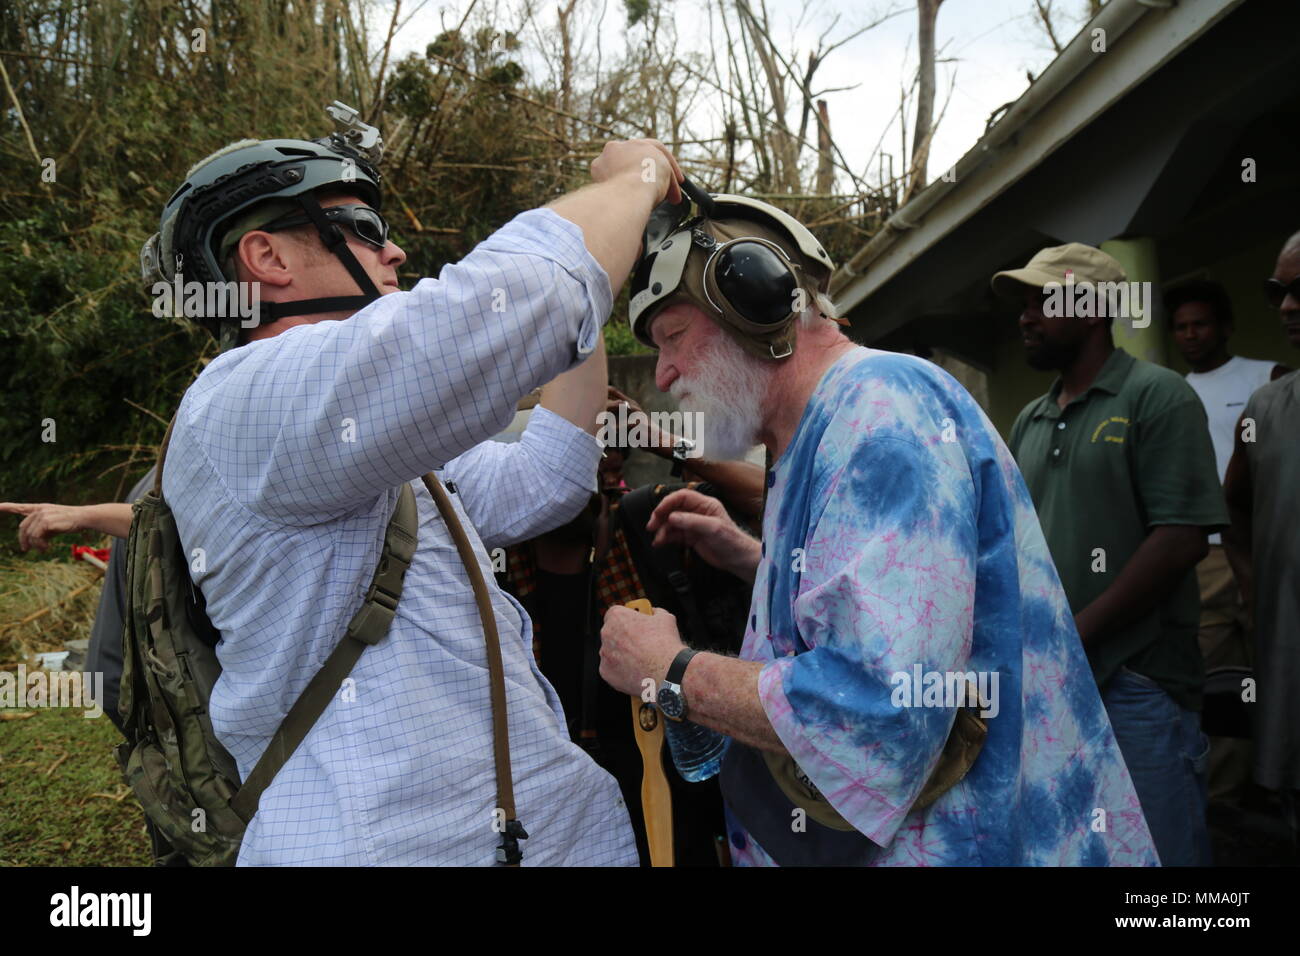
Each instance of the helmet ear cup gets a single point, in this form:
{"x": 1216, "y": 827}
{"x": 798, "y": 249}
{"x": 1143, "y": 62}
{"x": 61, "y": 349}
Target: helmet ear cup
{"x": 755, "y": 280}
{"x": 756, "y": 296}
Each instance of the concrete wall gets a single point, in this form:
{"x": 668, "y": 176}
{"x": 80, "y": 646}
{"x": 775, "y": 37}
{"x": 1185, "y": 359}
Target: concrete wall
{"x": 1013, "y": 384}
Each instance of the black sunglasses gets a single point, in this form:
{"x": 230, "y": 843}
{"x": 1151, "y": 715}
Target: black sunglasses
{"x": 1276, "y": 292}
{"x": 366, "y": 223}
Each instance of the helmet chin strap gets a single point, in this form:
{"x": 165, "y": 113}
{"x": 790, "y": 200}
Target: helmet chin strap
{"x": 336, "y": 242}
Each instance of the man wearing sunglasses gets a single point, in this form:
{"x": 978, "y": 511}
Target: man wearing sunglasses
{"x": 285, "y": 462}
{"x": 1260, "y": 487}
{"x": 900, "y": 551}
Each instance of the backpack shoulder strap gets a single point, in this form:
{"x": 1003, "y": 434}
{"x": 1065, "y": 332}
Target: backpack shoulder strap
{"x": 368, "y": 626}
{"x": 508, "y": 852}
{"x": 162, "y": 455}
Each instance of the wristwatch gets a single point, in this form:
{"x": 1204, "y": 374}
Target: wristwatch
{"x": 682, "y": 449}
{"x": 671, "y": 701}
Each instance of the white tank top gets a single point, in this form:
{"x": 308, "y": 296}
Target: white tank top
{"x": 1224, "y": 393}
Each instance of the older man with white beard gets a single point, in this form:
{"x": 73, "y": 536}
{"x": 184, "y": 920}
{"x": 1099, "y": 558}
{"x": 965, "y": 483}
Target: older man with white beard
{"x": 911, "y": 689}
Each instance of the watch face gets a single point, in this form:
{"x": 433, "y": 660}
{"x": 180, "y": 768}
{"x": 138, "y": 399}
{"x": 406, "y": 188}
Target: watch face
{"x": 671, "y": 703}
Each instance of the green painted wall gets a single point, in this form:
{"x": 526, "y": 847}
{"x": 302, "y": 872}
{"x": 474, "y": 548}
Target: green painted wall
{"x": 1013, "y": 385}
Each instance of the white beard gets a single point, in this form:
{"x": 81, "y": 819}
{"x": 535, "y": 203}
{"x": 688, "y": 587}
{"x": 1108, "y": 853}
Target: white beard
{"x": 728, "y": 395}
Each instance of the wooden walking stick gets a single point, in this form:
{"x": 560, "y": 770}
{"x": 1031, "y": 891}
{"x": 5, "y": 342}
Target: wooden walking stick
{"x": 656, "y": 801}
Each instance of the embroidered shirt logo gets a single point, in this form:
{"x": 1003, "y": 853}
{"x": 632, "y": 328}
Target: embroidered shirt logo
{"x": 1121, "y": 426}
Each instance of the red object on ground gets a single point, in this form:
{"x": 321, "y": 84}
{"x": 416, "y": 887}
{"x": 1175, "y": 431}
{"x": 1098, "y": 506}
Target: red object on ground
{"x": 79, "y": 549}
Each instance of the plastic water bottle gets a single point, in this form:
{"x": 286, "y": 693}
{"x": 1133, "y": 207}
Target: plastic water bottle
{"x": 697, "y": 751}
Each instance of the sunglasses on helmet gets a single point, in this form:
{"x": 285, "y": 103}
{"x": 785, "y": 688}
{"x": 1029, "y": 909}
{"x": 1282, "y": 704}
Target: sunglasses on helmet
{"x": 366, "y": 223}
{"x": 1276, "y": 291}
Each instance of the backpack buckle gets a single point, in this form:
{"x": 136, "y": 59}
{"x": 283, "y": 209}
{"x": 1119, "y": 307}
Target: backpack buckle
{"x": 509, "y": 852}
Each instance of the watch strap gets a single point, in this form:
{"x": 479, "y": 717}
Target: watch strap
{"x": 677, "y": 669}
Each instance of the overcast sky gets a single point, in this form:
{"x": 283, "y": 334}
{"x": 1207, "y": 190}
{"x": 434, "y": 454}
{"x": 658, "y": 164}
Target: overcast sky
{"x": 990, "y": 43}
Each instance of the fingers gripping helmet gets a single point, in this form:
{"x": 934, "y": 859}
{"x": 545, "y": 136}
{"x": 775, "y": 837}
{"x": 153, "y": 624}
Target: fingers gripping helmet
{"x": 245, "y": 174}
{"x": 749, "y": 266}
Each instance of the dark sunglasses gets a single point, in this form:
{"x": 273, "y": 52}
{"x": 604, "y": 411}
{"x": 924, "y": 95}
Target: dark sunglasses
{"x": 1276, "y": 292}
{"x": 366, "y": 223}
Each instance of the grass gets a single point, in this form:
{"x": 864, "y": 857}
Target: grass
{"x": 62, "y": 798}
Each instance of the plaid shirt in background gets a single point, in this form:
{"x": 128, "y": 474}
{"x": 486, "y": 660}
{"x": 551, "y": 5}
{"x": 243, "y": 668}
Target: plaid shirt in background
{"x": 617, "y": 581}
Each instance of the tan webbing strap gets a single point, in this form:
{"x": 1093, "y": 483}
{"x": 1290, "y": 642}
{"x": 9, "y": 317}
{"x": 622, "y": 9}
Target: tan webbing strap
{"x": 162, "y": 455}
{"x": 368, "y": 626}
{"x": 509, "y": 852}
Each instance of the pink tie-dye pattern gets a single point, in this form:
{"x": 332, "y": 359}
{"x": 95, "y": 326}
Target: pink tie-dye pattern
{"x": 906, "y": 597}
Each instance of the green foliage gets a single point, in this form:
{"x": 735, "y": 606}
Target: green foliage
{"x": 78, "y": 342}
{"x": 636, "y": 11}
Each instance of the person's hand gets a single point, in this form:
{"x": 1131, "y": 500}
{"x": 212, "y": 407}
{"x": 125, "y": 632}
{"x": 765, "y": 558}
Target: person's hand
{"x": 617, "y": 398}
{"x": 636, "y": 646}
{"x": 649, "y": 159}
{"x": 42, "y": 521}
{"x": 657, "y": 442}
{"x": 700, "y": 522}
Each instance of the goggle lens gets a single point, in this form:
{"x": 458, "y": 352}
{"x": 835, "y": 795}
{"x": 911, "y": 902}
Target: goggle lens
{"x": 369, "y": 226}
{"x": 756, "y": 281}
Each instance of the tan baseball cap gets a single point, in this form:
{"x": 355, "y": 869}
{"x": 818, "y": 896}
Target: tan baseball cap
{"x": 1071, "y": 262}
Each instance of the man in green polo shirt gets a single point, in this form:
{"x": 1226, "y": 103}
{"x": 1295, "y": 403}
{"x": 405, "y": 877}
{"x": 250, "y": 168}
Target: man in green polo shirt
{"x": 1118, "y": 459}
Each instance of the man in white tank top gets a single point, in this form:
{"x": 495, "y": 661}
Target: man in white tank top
{"x": 1200, "y": 317}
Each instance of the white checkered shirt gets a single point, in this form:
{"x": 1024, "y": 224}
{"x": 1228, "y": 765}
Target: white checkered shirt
{"x": 284, "y": 467}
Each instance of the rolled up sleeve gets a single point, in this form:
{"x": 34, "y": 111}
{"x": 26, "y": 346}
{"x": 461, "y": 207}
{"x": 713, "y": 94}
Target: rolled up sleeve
{"x": 518, "y": 490}
{"x": 318, "y": 421}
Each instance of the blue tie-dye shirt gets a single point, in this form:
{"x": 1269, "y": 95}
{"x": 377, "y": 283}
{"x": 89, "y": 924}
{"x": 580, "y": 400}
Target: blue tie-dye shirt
{"x": 900, "y": 543}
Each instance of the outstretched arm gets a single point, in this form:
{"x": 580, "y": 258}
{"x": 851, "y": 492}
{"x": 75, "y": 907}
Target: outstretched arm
{"x": 42, "y": 521}
{"x": 318, "y": 422}
{"x": 628, "y": 180}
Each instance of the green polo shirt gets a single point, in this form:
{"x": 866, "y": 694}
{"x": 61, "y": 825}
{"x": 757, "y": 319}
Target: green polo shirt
{"x": 1130, "y": 453}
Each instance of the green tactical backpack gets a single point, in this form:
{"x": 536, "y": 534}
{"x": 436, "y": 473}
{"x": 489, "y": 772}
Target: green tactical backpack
{"x": 184, "y": 778}
{"x": 186, "y": 781}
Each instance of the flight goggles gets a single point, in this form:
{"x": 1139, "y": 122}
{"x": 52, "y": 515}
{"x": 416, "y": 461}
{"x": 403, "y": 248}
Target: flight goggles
{"x": 737, "y": 260}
